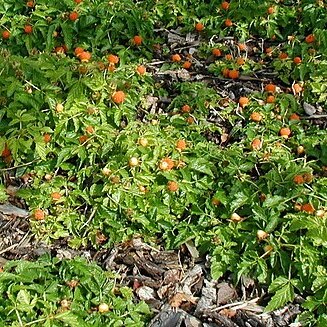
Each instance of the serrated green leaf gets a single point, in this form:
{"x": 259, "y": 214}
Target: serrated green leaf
{"x": 282, "y": 296}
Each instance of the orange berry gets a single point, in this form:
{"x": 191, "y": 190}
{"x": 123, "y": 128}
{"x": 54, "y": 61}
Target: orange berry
{"x": 89, "y": 129}
{"x": 172, "y": 186}
{"x": 190, "y": 120}
{"x": 283, "y": 55}
{"x": 268, "y": 50}
{"x": 215, "y": 202}
{"x": 242, "y": 46}
{"x": 78, "y": 50}
{"x": 270, "y": 88}
{"x": 30, "y": 4}
{"x": 118, "y": 97}
{"x": 111, "y": 68}
{"x": 78, "y": 1}
{"x": 83, "y": 138}
{"x": 6, "y": 35}
{"x": 59, "y": 49}
{"x": 199, "y": 27}
{"x": 225, "y": 5}
{"x": 113, "y": 59}
{"x": 285, "y": 132}
{"x": 186, "y": 108}
{"x": 181, "y": 145}
{"x": 228, "y": 23}
{"x": 216, "y": 52}
{"x": 270, "y": 10}
{"x": 310, "y": 38}
{"x": 234, "y": 74}
{"x": 228, "y": 56}
{"x": 225, "y": 72}
{"x": 39, "y": 214}
{"x": 270, "y": 99}
{"x": 240, "y": 61}
{"x": 176, "y": 58}
{"x": 256, "y": 144}
{"x": 84, "y": 56}
{"x": 298, "y": 179}
{"x": 166, "y": 164}
{"x": 55, "y": 196}
{"x": 187, "y": 65}
{"x": 6, "y": 152}
{"x": 297, "y": 60}
{"x": 297, "y": 88}
{"x": 256, "y": 117}
{"x": 137, "y": 40}
{"x": 141, "y": 70}
{"x": 294, "y": 117}
{"x": 28, "y": 29}
{"x": 47, "y": 138}
{"x": 73, "y": 16}
{"x": 243, "y": 101}
{"x": 308, "y": 207}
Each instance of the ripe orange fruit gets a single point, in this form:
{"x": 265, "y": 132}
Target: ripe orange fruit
{"x": 55, "y": 196}
{"x": 308, "y": 207}
{"x": 242, "y": 46}
{"x": 228, "y": 56}
{"x": 310, "y": 38}
{"x": 6, "y": 35}
{"x": 225, "y": 72}
{"x": 78, "y": 1}
{"x": 243, "y": 101}
{"x": 199, "y": 27}
{"x": 190, "y": 120}
{"x": 166, "y": 164}
{"x": 39, "y": 214}
{"x": 141, "y": 70}
{"x": 297, "y": 88}
{"x": 268, "y": 50}
{"x": 256, "y": 117}
{"x": 187, "y": 65}
{"x": 47, "y": 138}
{"x": 240, "y": 61}
{"x": 297, "y": 60}
{"x": 270, "y": 88}
{"x": 228, "y": 23}
{"x": 176, "y": 58}
{"x": 181, "y": 145}
{"x": 270, "y": 99}
{"x": 78, "y": 50}
{"x": 285, "y": 132}
{"x": 256, "y": 144}
{"x": 59, "y": 49}
{"x": 298, "y": 179}
{"x": 30, "y": 4}
{"x": 118, "y": 97}
{"x": 83, "y": 138}
{"x": 186, "y": 108}
{"x": 270, "y": 10}
{"x": 234, "y": 74}
{"x": 283, "y": 55}
{"x": 84, "y": 56}
{"x": 28, "y": 29}
{"x": 172, "y": 186}
{"x": 216, "y": 52}
{"x": 73, "y": 16}
{"x": 225, "y": 5}
{"x": 137, "y": 40}
{"x": 6, "y": 152}
{"x": 113, "y": 59}
{"x": 294, "y": 117}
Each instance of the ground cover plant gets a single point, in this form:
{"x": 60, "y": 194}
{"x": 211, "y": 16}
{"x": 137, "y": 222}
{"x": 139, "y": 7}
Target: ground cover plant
{"x": 172, "y": 121}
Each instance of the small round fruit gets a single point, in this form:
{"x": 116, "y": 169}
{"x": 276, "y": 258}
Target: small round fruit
{"x": 270, "y": 88}
{"x": 113, "y": 59}
{"x": 321, "y": 213}
{"x": 172, "y": 186}
{"x": 285, "y": 132}
{"x": 176, "y": 57}
{"x": 166, "y": 164}
{"x": 300, "y": 149}
{"x": 106, "y": 171}
{"x": 199, "y": 27}
{"x": 55, "y": 196}
{"x": 283, "y": 56}
{"x": 294, "y": 117}
{"x": 233, "y": 74}
{"x": 270, "y": 10}
{"x": 137, "y": 40}
{"x": 103, "y": 308}
{"x": 216, "y": 52}
{"x": 141, "y": 70}
{"x": 310, "y": 38}
{"x": 298, "y": 179}
{"x": 181, "y": 145}
{"x": 59, "y": 108}
{"x": 187, "y": 65}
{"x": 48, "y": 177}
{"x": 64, "y": 304}
{"x": 228, "y": 23}
{"x": 143, "y": 141}
{"x": 215, "y": 202}
{"x": 39, "y": 214}
{"x": 28, "y": 29}
{"x": 243, "y": 101}
{"x": 236, "y": 218}
{"x": 186, "y": 108}
{"x": 118, "y": 97}
{"x": 297, "y": 88}
{"x": 73, "y": 16}
{"x": 133, "y": 162}
{"x": 308, "y": 207}
{"x": 6, "y": 35}
{"x": 262, "y": 235}
{"x": 297, "y": 60}
{"x": 225, "y": 5}
{"x": 84, "y": 56}
{"x": 256, "y": 144}
{"x": 270, "y": 99}
{"x": 256, "y": 117}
